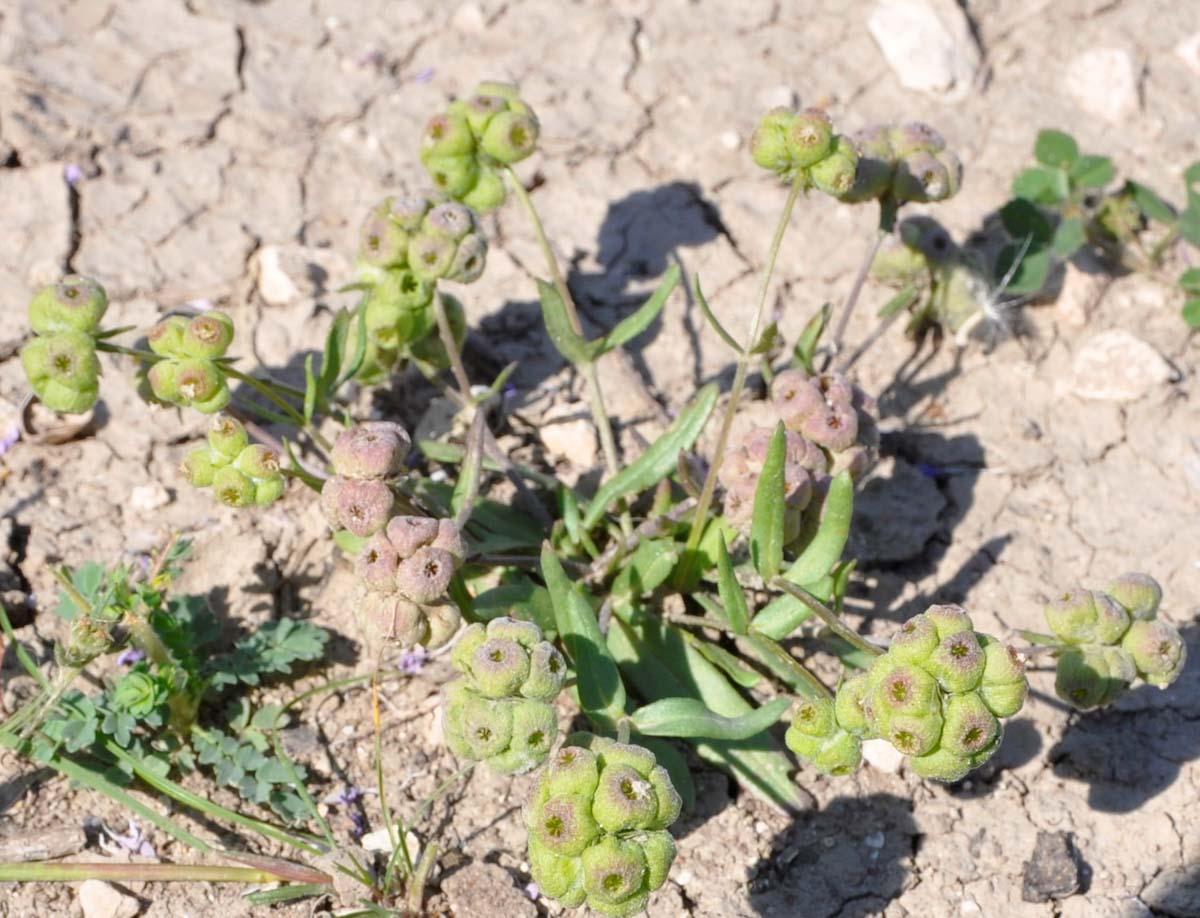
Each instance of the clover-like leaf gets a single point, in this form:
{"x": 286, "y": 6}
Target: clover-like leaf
{"x": 1055, "y": 148}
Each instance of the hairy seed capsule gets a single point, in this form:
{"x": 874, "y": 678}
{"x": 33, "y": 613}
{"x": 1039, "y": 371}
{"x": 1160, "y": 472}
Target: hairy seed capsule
{"x": 75, "y": 303}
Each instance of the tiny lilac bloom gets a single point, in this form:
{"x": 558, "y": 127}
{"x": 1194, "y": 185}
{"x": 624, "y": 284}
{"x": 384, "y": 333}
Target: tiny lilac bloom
{"x": 424, "y": 75}
{"x": 72, "y": 174}
{"x": 413, "y": 661}
{"x": 532, "y": 891}
{"x": 9, "y": 440}
{"x": 130, "y": 656}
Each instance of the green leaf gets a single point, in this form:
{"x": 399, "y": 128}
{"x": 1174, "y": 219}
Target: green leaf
{"x": 766, "y": 523}
{"x": 732, "y": 596}
{"x": 659, "y": 460}
{"x": 690, "y": 718}
{"x": 1042, "y": 186}
{"x": 1055, "y": 148}
{"x": 348, "y": 542}
{"x": 633, "y": 325}
{"x": 1151, "y": 205}
{"x": 1022, "y": 219}
{"x": 1191, "y": 313}
{"x": 714, "y": 321}
{"x": 335, "y": 347}
{"x": 805, "y": 351}
{"x": 784, "y": 614}
{"x": 676, "y": 765}
{"x": 1191, "y": 178}
{"x": 1189, "y": 280}
{"x": 1189, "y": 225}
{"x": 519, "y": 598}
{"x": 1092, "y": 171}
{"x": 767, "y": 341}
{"x": 466, "y": 489}
{"x": 88, "y": 579}
{"x": 824, "y": 549}
{"x": 1069, "y": 237}
{"x": 902, "y": 300}
{"x": 727, "y": 662}
{"x": 645, "y": 570}
{"x": 354, "y": 364}
{"x": 311, "y": 389}
{"x": 558, "y": 326}
{"x": 601, "y": 692}
{"x": 1030, "y": 275}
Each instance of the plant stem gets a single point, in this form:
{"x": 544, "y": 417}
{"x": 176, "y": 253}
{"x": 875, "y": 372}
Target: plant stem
{"x": 699, "y": 621}
{"x": 267, "y": 391}
{"x": 852, "y": 297}
{"x": 777, "y": 657}
{"x": 739, "y": 383}
{"x": 595, "y": 397}
{"x": 420, "y": 877}
{"x": 828, "y": 616}
{"x": 446, "y": 333}
{"x": 156, "y": 873}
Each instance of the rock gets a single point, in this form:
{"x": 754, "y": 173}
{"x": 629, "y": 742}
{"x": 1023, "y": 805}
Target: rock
{"x": 780, "y": 96}
{"x": 98, "y": 899}
{"x": 928, "y": 43}
{"x": 287, "y": 273}
{"x": 568, "y": 435}
{"x": 1104, "y": 81}
{"x": 469, "y": 18}
{"x": 35, "y": 236}
{"x": 1052, "y": 872}
{"x": 483, "y": 891}
{"x": 1116, "y": 366}
{"x": 1079, "y": 295}
{"x": 1174, "y": 892}
{"x": 895, "y": 514}
{"x": 148, "y": 497}
{"x": 883, "y": 755}
{"x": 1188, "y": 51}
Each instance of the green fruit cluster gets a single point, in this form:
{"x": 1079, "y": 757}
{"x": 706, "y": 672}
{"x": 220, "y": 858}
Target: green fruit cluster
{"x": 1110, "y": 638}
{"x": 466, "y": 148}
{"x": 408, "y": 244}
{"x": 938, "y": 695}
{"x": 804, "y": 144}
{"x": 60, "y": 362}
{"x": 239, "y": 472}
{"x": 907, "y": 162}
{"x": 598, "y": 826}
{"x": 190, "y": 373}
{"x": 500, "y": 711}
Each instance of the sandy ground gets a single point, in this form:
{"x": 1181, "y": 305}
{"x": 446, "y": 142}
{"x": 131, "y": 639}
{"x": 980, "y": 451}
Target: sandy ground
{"x": 225, "y": 152}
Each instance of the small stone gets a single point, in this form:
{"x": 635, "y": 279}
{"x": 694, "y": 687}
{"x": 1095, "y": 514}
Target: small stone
{"x": 882, "y": 755}
{"x": 469, "y": 18}
{"x": 98, "y": 899}
{"x": 777, "y": 97}
{"x": 148, "y": 497}
{"x": 875, "y": 840}
{"x": 1116, "y": 366}
{"x": 568, "y": 435}
{"x": 1188, "y": 51}
{"x": 731, "y": 140}
{"x": 1104, "y": 81}
{"x": 482, "y": 890}
{"x": 896, "y": 513}
{"x": 927, "y": 43}
{"x": 1175, "y": 891}
{"x": 1052, "y": 872}
{"x": 288, "y": 273}
{"x": 382, "y": 840}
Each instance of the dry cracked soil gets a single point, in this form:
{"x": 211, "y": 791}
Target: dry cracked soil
{"x": 223, "y": 152}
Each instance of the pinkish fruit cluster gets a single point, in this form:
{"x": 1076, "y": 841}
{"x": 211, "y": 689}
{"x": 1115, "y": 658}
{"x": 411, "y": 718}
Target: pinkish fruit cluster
{"x": 830, "y": 428}
{"x": 60, "y": 362}
{"x": 938, "y": 695}
{"x": 466, "y": 148}
{"x": 1110, "y": 638}
{"x": 907, "y": 162}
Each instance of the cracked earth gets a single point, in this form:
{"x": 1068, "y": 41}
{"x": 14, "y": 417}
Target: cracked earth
{"x": 224, "y": 152}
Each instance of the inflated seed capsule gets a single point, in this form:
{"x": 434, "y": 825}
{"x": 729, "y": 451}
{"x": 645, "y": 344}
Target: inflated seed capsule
{"x": 381, "y": 242}
{"x": 430, "y": 255}
{"x": 372, "y": 449}
{"x": 839, "y": 755}
{"x": 914, "y": 735}
{"x": 510, "y": 137}
{"x": 942, "y": 765}
{"x": 444, "y": 620}
{"x": 359, "y": 505}
{"x": 948, "y": 619}
{"x": 1003, "y": 686}
{"x": 920, "y": 177}
{"x": 392, "y": 618}
{"x": 487, "y": 193}
{"x": 1158, "y": 651}
{"x": 447, "y": 134}
{"x": 809, "y": 138}
{"x": 814, "y": 717}
{"x": 1087, "y": 617}
{"x": 1137, "y": 594}
{"x": 900, "y": 689}
{"x": 769, "y": 143}
{"x": 63, "y": 370}
{"x": 563, "y": 824}
{"x": 572, "y": 771}
{"x": 408, "y": 533}
{"x": 453, "y": 175}
{"x": 1087, "y": 677}
{"x": 848, "y": 704}
{"x": 835, "y": 173}
{"x": 227, "y": 437}
{"x": 498, "y": 667}
{"x": 207, "y": 336}
{"x": 915, "y": 641}
{"x": 376, "y": 564}
{"x": 476, "y": 727}
{"x": 233, "y": 488}
{"x": 623, "y": 799}
{"x": 449, "y": 219}
{"x": 969, "y": 727}
{"x": 470, "y": 258}
{"x": 199, "y": 467}
{"x": 426, "y": 575}
{"x": 201, "y": 385}
{"x": 479, "y": 110}
{"x": 957, "y": 663}
{"x": 535, "y": 727}
{"x": 166, "y": 338}
{"x": 915, "y": 137}
{"x": 75, "y": 303}
{"x": 614, "y": 876}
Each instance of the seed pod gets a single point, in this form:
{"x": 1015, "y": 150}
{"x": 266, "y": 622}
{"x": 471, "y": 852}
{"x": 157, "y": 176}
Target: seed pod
{"x": 487, "y": 193}
{"x": 614, "y": 876}
{"x": 227, "y": 437}
{"x": 453, "y": 175}
{"x": 430, "y": 255}
{"x": 207, "y": 336}
{"x": 381, "y": 242}
{"x": 948, "y": 619}
{"x": 957, "y": 663}
{"x": 425, "y": 576}
{"x": 372, "y": 449}
{"x": 564, "y": 824}
{"x": 836, "y": 173}
{"x": 470, "y": 258}
{"x": 450, "y": 219}
{"x": 769, "y": 143}
{"x": 408, "y": 533}
{"x": 921, "y": 177}
{"x": 166, "y": 338}
{"x": 75, "y": 303}
{"x": 390, "y": 618}
{"x": 942, "y": 765}
{"x": 1003, "y": 686}
{"x": 916, "y": 640}
{"x": 376, "y": 564}
{"x": 444, "y": 622}
{"x": 1157, "y": 650}
{"x": 809, "y": 138}
{"x": 233, "y": 488}
{"x": 447, "y": 134}
{"x": 1137, "y": 594}
{"x": 63, "y": 370}
{"x": 623, "y": 799}
{"x": 361, "y": 506}
{"x": 915, "y": 137}
{"x": 480, "y": 109}
{"x": 510, "y": 137}
{"x": 969, "y": 726}
{"x": 1088, "y": 677}
{"x": 1087, "y": 617}
{"x": 498, "y": 667}
{"x": 199, "y": 467}
{"x": 848, "y": 705}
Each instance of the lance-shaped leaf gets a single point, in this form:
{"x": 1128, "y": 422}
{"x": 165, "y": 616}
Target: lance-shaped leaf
{"x": 714, "y": 321}
{"x": 601, "y": 692}
{"x": 466, "y": 489}
{"x": 904, "y": 298}
{"x": 645, "y": 570}
{"x": 690, "y": 718}
{"x": 558, "y": 326}
{"x": 766, "y": 523}
{"x": 519, "y": 598}
{"x": 805, "y": 351}
{"x": 659, "y": 460}
{"x": 636, "y": 323}
{"x": 725, "y": 661}
{"x": 732, "y": 596}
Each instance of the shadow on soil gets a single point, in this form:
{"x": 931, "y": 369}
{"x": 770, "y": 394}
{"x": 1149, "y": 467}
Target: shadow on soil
{"x": 1132, "y": 752}
{"x": 850, "y": 859}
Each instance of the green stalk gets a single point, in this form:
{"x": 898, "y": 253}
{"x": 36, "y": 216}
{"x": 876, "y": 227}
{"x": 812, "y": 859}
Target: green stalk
{"x": 595, "y": 396}
{"x": 739, "y": 383}
{"x": 829, "y": 617}
{"x": 151, "y": 873}
{"x": 267, "y": 390}
{"x": 777, "y": 658}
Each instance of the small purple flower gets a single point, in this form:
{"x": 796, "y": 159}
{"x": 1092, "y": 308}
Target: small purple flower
{"x": 133, "y": 841}
{"x": 348, "y": 795}
{"x": 510, "y": 392}
{"x": 9, "y": 440}
{"x": 532, "y": 891}
{"x": 413, "y": 661}
{"x": 360, "y": 824}
{"x": 424, "y": 75}
{"x": 130, "y": 656}
{"x": 72, "y": 174}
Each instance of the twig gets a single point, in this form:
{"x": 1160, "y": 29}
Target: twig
{"x": 828, "y": 616}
